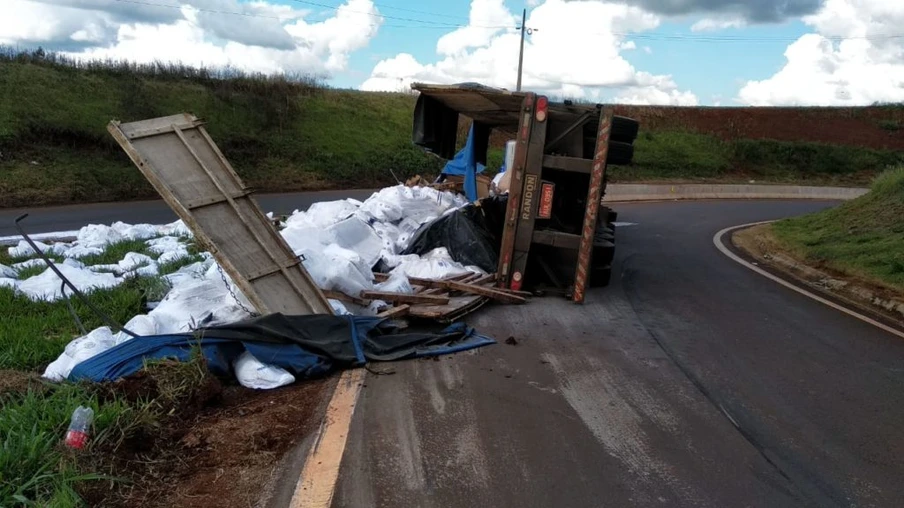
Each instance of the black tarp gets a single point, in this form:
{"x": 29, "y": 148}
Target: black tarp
{"x": 472, "y": 234}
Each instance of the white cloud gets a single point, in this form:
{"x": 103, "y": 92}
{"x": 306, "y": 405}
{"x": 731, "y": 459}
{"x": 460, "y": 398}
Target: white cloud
{"x": 715, "y": 24}
{"x": 864, "y": 67}
{"x": 575, "y": 51}
{"x": 261, "y": 37}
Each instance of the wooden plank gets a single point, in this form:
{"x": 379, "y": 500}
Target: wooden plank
{"x": 483, "y": 279}
{"x": 573, "y": 164}
{"x": 183, "y": 163}
{"x": 342, "y": 297}
{"x": 488, "y": 292}
{"x": 594, "y": 196}
{"x": 405, "y": 297}
{"x": 394, "y": 312}
{"x": 557, "y": 239}
{"x": 458, "y": 306}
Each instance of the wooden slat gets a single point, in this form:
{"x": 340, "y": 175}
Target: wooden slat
{"x": 183, "y": 163}
{"x": 557, "y": 239}
{"x": 342, "y": 297}
{"x": 394, "y": 312}
{"x": 483, "y": 279}
{"x": 574, "y": 164}
{"x": 405, "y": 297}
{"x": 457, "y": 307}
{"x": 493, "y": 293}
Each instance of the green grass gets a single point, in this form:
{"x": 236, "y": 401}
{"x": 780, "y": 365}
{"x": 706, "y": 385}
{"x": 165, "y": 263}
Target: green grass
{"x": 174, "y": 266}
{"x": 32, "y": 334}
{"x": 34, "y": 469}
{"x": 863, "y": 237}
{"x": 280, "y": 135}
{"x": 671, "y": 155}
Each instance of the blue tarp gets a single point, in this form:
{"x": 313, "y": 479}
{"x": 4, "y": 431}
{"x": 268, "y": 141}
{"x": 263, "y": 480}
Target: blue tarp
{"x": 306, "y": 346}
{"x": 465, "y": 163}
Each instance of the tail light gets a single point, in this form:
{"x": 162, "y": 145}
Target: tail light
{"x": 542, "y": 106}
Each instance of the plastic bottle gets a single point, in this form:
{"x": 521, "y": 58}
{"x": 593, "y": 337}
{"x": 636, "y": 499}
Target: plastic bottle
{"x": 77, "y": 435}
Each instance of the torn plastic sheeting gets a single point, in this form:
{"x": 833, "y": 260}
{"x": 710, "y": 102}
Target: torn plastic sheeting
{"x": 46, "y": 286}
{"x": 335, "y": 268}
{"x": 396, "y": 283}
{"x": 323, "y": 214}
{"x": 305, "y": 346}
{"x": 421, "y": 204}
{"x": 98, "y": 235}
{"x": 196, "y": 301}
{"x": 135, "y": 231}
{"x": 164, "y": 244}
{"x": 356, "y": 236}
{"x": 174, "y": 255}
{"x": 80, "y": 251}
{"x": 177, "y": 228}
{"x": 7, "y": 272}
{"x": 23, "y": 249}
{"x": 437, "y": 264}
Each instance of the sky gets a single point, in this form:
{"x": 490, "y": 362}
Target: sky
{"x": 678, "y": 52}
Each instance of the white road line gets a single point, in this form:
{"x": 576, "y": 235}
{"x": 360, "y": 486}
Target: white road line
{"x": 717, "y": 240}
{"x": 317, "y": 484}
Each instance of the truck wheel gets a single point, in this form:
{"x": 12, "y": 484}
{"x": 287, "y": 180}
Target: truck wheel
{"x": 620, "y": 154}
{"x": 600, "y": 277}
{"x": 624, "y": 129}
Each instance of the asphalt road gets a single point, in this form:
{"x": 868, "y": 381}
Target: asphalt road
{"x": 690, "y": 381}
{"x": 73, "y": 217}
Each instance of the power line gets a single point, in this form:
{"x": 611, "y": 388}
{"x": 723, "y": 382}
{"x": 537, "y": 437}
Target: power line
{"x": 438, "y": 24}
{"x": 428, "y": 13}
{"x": 430, "y": 24}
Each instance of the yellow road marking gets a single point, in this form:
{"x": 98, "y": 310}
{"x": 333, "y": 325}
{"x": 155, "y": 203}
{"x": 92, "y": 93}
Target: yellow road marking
{"x": 317, "y": 483}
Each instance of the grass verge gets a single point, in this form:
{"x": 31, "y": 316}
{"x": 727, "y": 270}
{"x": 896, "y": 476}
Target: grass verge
{"x": 862, "y": 238}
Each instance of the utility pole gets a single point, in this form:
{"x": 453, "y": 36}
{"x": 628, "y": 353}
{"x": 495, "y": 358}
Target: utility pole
{"x": 528, "y": 31}
{"x": 521, "y": 53}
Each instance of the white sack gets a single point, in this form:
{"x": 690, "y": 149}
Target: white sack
{"x": 251, "y": 373}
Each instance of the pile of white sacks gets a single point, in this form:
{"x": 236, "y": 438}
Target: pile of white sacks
{"x": 340, "y": 242}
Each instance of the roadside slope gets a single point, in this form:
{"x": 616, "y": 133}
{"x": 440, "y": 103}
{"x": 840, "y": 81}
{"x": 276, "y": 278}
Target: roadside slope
{"x": 862, "y": 238}
{"x": 292, "y": 133}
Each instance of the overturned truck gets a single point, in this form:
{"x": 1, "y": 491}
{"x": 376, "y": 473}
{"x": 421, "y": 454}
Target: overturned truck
{"x": 556, "y": 236}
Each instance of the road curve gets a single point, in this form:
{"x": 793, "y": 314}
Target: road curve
{"x": 690, "y": 381}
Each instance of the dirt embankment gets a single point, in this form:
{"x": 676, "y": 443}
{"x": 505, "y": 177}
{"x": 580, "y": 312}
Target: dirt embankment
{"x": 880, "y": 127}
{"x": 222, "y": 445}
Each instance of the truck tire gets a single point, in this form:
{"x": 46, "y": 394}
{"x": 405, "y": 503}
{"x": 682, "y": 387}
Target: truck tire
{"x": 600, "y": 276}
{"x": 624, "y": 129}
{"x": 620, "y": 154}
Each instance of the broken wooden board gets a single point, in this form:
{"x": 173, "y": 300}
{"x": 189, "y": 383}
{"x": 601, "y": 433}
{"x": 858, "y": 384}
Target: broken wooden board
{"x": 465, "y": 287}
{"x": 184, "y": 165}
{"x": 405, "y": 297}
{"x": 457, "y": 307}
